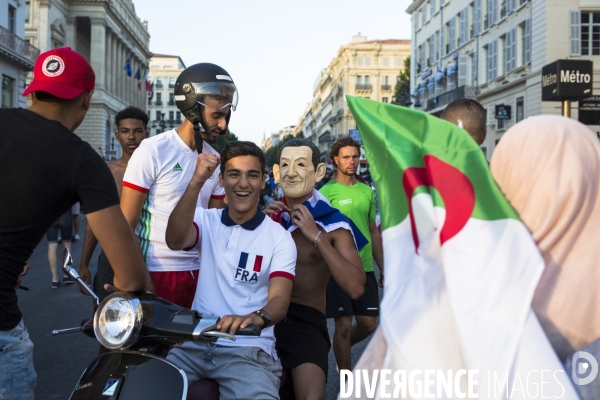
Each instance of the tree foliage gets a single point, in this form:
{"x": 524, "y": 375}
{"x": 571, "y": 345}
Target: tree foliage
{"x": 403, "y": 84}
{"x": 219, "y": 145}
{"x": 271, "y": 153}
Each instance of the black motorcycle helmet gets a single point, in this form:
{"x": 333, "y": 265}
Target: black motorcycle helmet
{"x": 197, "y": 82}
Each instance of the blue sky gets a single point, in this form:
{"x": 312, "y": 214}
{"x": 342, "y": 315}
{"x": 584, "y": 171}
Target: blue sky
{"x": 273, "y": 50}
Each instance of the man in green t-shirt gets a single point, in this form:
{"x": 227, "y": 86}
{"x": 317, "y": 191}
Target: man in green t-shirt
{"x": 355, "y": 200}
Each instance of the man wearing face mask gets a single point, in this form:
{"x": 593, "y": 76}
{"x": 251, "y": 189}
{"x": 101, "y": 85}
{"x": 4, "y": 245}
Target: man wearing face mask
{"x": 161, "y": 168}
{"x": 326, "y": 243}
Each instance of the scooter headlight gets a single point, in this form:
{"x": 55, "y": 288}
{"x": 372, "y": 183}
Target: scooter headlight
{"x": 118, "y": 321}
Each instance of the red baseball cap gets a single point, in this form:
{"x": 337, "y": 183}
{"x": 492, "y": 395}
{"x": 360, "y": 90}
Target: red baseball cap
{"x": 63, "y": 73}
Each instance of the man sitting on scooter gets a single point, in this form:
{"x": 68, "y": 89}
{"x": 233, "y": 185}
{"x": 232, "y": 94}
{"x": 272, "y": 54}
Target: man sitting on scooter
{"x": 247, "y": 268}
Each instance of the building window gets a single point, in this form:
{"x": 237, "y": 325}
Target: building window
{"x": 510, "y": 51}
{"x": 8, "y": 92}
{"x": 27, "y": 11}
{"x": 474, "y": 68}
{"x": 178, "y": 117}
{"x": 520, "y": 109}
{"x": 476, "y": 18}
{"x": 158, "y": 99}
{"x": 384, "y": 99}
{"x": 423, "y": 15}
{"x": 451, "y": 35}
{"x": 358, "y": 80}
{"x": 172, "y": 82}
{"x": 463, "y": 34}
{"x": 171, "y": 116}
{"x": 590, "y": 33}
{"x": 431, "y": 7}
{"x": 398, "y": 61}
{"x": 443, "y": 41}
{"x": 171, "y": 99}
{"x": 367, "y": 80}
{"x": 367, "y": 61}
{"x": 386, "y": 61}
{"x": 492, "y": 12}
{"x": 359, "y": 61}
{"x": 158, "y": 115}
{"x": 492, "y": 60}
{"x": 159, "y": 84}
{"x": 12, "y": 22}
{"x": 430, "y": 51}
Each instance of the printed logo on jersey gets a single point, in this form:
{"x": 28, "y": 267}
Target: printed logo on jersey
{"x": 346, "y": 202}
{"x": 53, "y": 66}
{"x": 248, "y": 269}
{"x": 177, "y": 168}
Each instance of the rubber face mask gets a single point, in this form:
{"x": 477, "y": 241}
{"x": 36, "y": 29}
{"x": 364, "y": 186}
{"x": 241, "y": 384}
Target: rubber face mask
{"x": 297, "y": 174}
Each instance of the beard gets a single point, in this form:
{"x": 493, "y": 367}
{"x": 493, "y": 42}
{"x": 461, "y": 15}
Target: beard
{"x": 208, "y": 136}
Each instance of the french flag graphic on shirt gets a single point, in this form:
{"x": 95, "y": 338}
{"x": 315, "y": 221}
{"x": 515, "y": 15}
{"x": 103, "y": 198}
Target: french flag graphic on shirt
{"x": 248, "y": 268}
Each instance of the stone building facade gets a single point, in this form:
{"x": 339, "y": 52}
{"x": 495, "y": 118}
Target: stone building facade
{"x": 494, "y": 51}
{"x": 163, "y": 112}
{"x": 107, "y": 33}
{"x": 362, "y": 68}
{"x": 17, "y": 56}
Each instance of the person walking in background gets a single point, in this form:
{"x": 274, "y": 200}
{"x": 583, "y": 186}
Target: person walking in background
{"x": 75, "y": 210}
{"x": 132, "y": 128}
{"x": 356, "y": 201}
{"x": 64, "y": 224}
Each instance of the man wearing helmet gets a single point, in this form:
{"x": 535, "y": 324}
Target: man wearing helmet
{"x": 161, "y": 168}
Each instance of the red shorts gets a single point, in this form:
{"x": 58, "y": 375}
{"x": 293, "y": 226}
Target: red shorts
{"x": 178, "y": 287}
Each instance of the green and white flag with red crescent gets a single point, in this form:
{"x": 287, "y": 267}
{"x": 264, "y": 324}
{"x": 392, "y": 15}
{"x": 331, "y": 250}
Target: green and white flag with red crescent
{"x": 460, "y": 266}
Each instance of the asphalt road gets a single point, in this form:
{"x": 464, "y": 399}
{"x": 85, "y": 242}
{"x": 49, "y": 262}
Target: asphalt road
{"x": 60, "y": 360}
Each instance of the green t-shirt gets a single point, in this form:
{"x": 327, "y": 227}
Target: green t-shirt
{"x": 357, "y": 203}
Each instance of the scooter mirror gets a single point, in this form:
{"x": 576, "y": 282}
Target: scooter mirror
{"x": 67, "y": 267}
{"x": 66, "y": 260}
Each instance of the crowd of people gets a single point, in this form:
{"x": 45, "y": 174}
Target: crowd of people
{"x": 284, "y": 249}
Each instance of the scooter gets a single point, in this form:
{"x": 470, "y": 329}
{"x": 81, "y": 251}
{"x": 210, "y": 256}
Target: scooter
{"x": 138, "y": 329}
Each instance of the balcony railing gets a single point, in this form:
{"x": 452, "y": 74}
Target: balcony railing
{"x": 364, "y": 86}
{"x": 158, "y": 103}
{"x": 18, "y": 45}
{"x": 171, "y": 85}
{"x": 171, "y": 103}
{"x": 463, "y": 92}
{"x": 386, "y": 87}
{"x": 159, "y": 85}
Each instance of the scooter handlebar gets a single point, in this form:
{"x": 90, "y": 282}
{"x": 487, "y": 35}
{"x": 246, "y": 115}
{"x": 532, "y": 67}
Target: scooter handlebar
{"x": 250, "y": 330}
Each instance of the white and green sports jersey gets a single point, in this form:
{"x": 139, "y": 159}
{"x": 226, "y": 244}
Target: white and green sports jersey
{"x": 162, "y": 167}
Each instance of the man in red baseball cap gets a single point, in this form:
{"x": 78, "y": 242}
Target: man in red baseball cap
{"x": 45, "y": 168}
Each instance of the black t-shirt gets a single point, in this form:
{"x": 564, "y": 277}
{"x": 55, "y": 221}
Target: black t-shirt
{"x": 44, "y": 169}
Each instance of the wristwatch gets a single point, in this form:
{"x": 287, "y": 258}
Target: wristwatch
{"x": 265, "y": 317}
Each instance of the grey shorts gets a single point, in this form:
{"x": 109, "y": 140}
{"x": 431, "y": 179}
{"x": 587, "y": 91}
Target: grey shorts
{"x": 242, "y": 372}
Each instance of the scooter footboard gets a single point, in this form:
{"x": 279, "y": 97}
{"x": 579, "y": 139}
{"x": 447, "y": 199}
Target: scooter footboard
{"x": 131, "y": 375}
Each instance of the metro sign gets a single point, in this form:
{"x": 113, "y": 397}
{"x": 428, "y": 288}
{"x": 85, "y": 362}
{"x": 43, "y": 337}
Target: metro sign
{"x": 566, "y": 80}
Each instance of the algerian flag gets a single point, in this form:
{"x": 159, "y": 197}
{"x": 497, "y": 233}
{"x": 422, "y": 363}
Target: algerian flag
{"x": 460, "y": 267}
